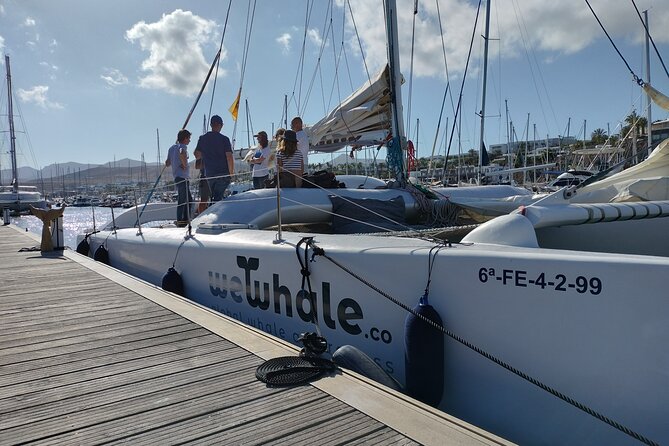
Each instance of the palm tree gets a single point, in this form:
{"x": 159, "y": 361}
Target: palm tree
{"x": 634, "y": 120}
{"x": 599, "y": 136}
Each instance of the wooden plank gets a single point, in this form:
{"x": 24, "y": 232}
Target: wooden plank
{"x": 25, "y": 350}
{"x": 87, "y": 360}
{"x": 194, "y": 356}
{"x": 178, "y": 327}
{"x": 62, "y": 368}
{"x": 226, "y": 371}
{"x": 108, "y": 349}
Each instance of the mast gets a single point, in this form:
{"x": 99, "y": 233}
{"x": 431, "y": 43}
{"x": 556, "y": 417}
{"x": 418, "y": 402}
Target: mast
{"x": 485, "y": 81}
{"x": 396, "y": 147}
{"x": 648, "y": 100}
{"x": 12, "y": 136}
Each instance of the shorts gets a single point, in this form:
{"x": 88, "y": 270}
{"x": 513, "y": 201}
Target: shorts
{"x": 205, "y": 192}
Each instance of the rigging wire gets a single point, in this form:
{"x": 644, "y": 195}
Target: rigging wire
{"x": 448, "y": 90}
{"x": 523, "y": 34}
{"x": 217, "y": 61}
{"x": 300, "y": 66}
{"x": 364, "y": 60}
{"x": 636, "y": 78}
{"x": 462, "y": 86}
{"x": 250, "y": 16}
{"x": 343, "y": 31}
{"x": 651, "y": 38}
{"x": 413, "y": 40}
{"x": 327, "y": 26}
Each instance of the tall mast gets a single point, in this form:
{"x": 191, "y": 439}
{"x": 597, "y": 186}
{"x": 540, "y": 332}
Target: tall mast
{"x": 396, "y": 148}
{"x": 12, "y": 136}
{"x": 648, "y": 100}
{"x": 485, "y": 81}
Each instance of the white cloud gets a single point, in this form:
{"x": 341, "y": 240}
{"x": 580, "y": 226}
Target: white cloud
{"x": 315, "y": 37}
{"x": 176, "y": 62}
{"x": 284, "y": 41}
{"x": 52, "y": 69}
{"x": 29, "y": 22}
{"x": 552, "y": 29}
{"x": 2, "y": 47}
{"x": 2, "y": 10}
{"x": 38, "y": 95}
{"x": 114, "y": 77}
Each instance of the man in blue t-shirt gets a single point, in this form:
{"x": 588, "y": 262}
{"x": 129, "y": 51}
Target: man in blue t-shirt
{"x": 177, "y": 157}
{"x": 215, "y": 150}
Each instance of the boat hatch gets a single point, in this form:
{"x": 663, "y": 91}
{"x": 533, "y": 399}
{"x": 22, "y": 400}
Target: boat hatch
{"x": 217, "y": 228}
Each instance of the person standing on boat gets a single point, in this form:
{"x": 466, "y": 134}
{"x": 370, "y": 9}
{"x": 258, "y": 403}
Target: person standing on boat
{"x": 177, "y": 158}
{"x": 289, "y": 161}
{"x": 302, "y": 139}
{"x": 215, "y": 150}
{"x": 203, "y": 187}
{"x": 259, "y": 160}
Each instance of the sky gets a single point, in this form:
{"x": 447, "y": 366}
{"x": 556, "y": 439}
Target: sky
{"x": 97, "y": 80}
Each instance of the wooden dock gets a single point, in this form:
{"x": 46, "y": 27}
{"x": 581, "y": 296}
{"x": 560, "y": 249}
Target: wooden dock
{"x": 90, "y": 355}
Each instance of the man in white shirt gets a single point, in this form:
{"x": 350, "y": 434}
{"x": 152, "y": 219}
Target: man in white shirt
{"x": 302, "y": 139}
{"x": 259, "y": 159}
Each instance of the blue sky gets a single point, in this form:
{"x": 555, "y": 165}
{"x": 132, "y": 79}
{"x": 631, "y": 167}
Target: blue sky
{"x": 95, "y": 79}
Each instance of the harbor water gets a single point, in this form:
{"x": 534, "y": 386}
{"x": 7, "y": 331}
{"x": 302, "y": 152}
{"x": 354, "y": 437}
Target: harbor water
{"x": 76, "y": 220}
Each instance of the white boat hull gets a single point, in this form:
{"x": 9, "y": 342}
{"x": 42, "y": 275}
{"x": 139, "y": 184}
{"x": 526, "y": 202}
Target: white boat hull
{"x": 593, "y": 326}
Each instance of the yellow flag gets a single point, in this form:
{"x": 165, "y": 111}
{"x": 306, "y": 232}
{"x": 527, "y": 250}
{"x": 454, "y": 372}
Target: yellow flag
{"x": 234, "y": 108}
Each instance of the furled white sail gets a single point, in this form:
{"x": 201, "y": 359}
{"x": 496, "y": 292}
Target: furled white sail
{"x": 657, "y": 97}
{"x": 362, "y": 119}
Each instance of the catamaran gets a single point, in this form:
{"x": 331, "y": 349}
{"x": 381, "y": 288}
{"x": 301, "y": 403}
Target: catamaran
{"x": 540, "y": 345}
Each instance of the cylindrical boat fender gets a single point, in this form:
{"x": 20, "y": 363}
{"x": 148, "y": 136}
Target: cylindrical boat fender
{"x": 173, "y": 283}
{"x": 424, "y": 355}
{"x": 351, "y": 358}
{"x": 83, "y": 247}
{"x": 101, "y": 255}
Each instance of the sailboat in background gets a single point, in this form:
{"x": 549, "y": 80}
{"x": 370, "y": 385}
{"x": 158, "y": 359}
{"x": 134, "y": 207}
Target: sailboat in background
{"x": 15, "y": 197}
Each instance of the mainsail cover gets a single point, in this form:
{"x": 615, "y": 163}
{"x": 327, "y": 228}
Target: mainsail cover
{"x": 646, "y": 181}
{"x": 362, "y": 119}
{"x": 657, "y": 97}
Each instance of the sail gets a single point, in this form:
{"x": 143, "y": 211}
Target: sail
{"x": 657, "y": 97}
{"x": 648, "y": 180}
{"x": 362, "y": 119}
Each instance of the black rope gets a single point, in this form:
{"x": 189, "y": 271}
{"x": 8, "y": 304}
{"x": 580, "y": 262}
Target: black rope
{"x": 563, "y": 397}
{"x": 650, "y": 38}
{"x": 306, "y": 280}
{"x": 636, "y": 78}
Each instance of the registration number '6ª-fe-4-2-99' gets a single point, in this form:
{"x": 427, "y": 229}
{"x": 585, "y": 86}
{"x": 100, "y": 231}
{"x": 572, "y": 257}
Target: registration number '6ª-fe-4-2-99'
{"x": 557, "y": 282}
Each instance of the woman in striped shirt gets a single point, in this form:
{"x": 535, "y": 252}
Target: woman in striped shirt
{"x": 290, "y": 161}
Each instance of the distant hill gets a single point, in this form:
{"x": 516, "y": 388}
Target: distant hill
{"x": 121, "y": 171}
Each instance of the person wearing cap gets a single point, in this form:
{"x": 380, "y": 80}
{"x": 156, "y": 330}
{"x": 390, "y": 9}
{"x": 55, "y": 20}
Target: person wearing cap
{"x": 289, "y": 161}
{"x": 177, "y": 158}
{"x": 215, "y": 150}
{"x": 259, "y": 159}
{"x": 302, "y": 139}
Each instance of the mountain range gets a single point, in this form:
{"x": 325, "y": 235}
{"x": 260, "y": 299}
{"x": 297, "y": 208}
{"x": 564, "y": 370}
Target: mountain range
{"x": 121, "y": 171}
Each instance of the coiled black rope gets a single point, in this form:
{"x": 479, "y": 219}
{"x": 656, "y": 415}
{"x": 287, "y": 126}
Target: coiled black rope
{"x": 321, "y": 252}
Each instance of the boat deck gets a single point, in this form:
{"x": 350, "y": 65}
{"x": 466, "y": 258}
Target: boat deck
{"x": 90, "y": 355}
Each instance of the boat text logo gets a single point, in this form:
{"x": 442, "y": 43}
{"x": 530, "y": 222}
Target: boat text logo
{"x": 263, "y": 295}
